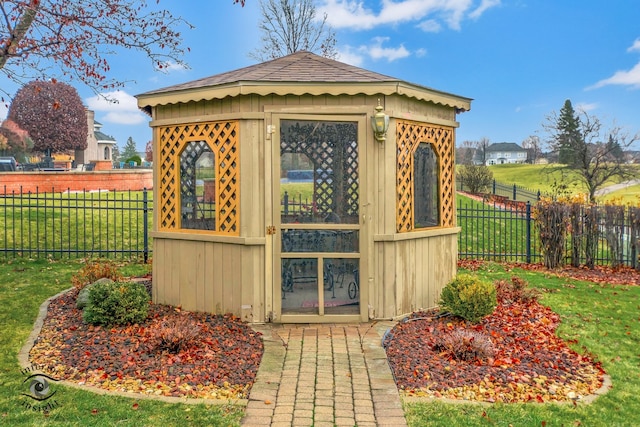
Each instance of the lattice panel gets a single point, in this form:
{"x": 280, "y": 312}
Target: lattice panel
{"x": 223, "y": 140}
{"x": 333, "y": 150}
{"x": 408, "y": 136}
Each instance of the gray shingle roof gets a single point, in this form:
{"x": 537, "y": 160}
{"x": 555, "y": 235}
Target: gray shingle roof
{"x": 298, "y": 73}
{"x": 299, "y": 67}
{"x": 505, "y": 146}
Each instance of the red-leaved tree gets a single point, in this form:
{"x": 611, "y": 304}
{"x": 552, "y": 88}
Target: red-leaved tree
{"x": 148, "y": 151}
{"x": 53, "y": 114}
{"x": 74, "y": 39}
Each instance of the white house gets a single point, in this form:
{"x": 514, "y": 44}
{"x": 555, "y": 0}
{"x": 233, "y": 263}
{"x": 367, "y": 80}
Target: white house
{"x": 505, "y": 152}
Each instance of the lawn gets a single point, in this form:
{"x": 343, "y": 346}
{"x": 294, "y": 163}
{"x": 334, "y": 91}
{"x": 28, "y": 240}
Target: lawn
{"x": 24, "y": 286}
{"x": 549, "y": 179}
{"x": 598, "y": 318}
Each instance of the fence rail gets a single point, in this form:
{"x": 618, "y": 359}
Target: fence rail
{"x": 511, "y": 191}
{"x": 117, "y": 224}
{"x": 75, "y": 224}
{"x": 499, "y": 233}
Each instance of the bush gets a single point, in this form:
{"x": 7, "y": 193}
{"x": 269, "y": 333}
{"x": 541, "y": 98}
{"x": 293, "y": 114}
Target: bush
{"x": 475, "y": 178}
{"x": 93, "y": 271}
{"x": 516, "y": 290}
{"x": 176, "y": 333}
{"x": 135, "y": 158}
{"x": 462, "y": 344}
{"x": 469, "y": 297}
{"x": 116, "y": 303}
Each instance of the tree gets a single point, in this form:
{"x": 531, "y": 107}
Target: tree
{"x": 129, "y": 149}
{"x": 534, "y": 148}
{"x": 465, "y": 153}
{"x": 475, "y": 178}
{"x": 16, "y": 140}
{"x": 482, "y": 147}
{"x": 567, "y": 138}
{"x": 53, "y": 115}
{"x": 290, "y": 26}
{"x": 115, "y": 153}
{"x": 595, "y": 161}
{"x": 79, "y": 36}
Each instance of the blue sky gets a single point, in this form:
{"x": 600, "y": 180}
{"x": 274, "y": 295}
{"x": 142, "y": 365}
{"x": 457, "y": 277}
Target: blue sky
{"x": 518, "y": 59}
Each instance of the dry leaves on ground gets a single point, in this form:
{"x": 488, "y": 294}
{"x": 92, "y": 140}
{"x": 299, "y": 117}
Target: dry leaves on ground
{"x": 222, "y": 363}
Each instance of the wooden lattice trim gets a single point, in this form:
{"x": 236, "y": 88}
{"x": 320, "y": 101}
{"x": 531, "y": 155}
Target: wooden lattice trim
{"x": 409, "y": 135}
{"x": 223, "y": 139}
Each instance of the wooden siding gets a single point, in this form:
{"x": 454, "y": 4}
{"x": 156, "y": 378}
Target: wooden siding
{"x": 210, "y": 277}
{"x": 405, "y": 271}
{"x": 409, "y": 274}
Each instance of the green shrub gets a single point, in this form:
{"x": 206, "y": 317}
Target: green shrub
{"x": 469, "y": 297}
{"x": 135, "y": 158}
{"x": 116, "y": 303}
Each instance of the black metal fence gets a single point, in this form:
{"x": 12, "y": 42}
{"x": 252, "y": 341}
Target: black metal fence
{"x": 511, "y": 191}
{"x": 117, "y": 224}
{"x": 508, "y": 233}
{"x": 75, "y": 224}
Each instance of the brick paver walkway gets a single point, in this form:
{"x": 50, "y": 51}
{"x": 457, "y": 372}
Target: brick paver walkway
{"x": 324, "y": 375}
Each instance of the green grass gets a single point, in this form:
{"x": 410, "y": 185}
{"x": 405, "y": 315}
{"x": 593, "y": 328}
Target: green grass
{"x": 546, "y": 178}
{"x": 60, "y": 223}
{"x": 605, "y": 321}
{"x": 626, "y": 196}
{"x": 489, "y": 231}
{"x": 24, "y": 286}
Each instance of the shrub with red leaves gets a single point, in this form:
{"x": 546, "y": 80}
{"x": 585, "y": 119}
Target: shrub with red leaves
{"x": 463, "y": 344}
{"x": 177, "y": 332}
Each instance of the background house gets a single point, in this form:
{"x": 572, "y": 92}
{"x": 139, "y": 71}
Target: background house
{"x": 504, "y": 152}
{"x": 99, "y": 145}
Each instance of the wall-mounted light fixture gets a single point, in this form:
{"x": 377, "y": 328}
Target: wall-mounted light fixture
{"x": 380, "y": 124}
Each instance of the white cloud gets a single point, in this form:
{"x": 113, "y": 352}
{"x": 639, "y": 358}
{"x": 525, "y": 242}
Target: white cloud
{"x": 351, "y": 56}
{"x": 353, "y": 14}
{"x": 484, "y": 6}
{"x": 585, "y": 107}
{"x": 173, "y": 66}
{"x": 421, "y": 52}
{"x": 116, "y": 107}
{"x": 376, "y": 51}
{"x": 624, "y": 78}
{"x": 430, "y": 26}
{"x": 635, "y": 46}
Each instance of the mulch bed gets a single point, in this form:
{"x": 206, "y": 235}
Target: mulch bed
{"x": 529, "y": 362}
{"x": 221, "y": 364}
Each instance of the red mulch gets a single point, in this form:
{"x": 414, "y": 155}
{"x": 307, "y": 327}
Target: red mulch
{"x": 529, "y": 363}
{"x": 222, "y": 364}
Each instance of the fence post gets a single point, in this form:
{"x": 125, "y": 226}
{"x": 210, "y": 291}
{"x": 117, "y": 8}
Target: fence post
{"x": 514, "y": 192}
{"x": 528, "y": 232}
{"x": 494, "y": 186}
{"x": 145, "y": 224}
{"x": 285, "y": 200}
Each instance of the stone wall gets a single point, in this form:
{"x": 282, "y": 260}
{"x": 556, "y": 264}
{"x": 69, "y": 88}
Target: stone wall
{"x": 57, "y": 182}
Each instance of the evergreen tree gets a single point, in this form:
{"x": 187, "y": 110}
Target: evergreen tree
{"x": 129, "y": 149}
{"x": 569, "y": 143}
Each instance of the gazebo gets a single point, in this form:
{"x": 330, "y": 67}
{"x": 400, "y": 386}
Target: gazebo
{"x": 303, "y": 189}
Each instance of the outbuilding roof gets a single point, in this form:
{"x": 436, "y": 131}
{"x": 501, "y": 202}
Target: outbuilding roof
{"x": 297, "y": 74}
